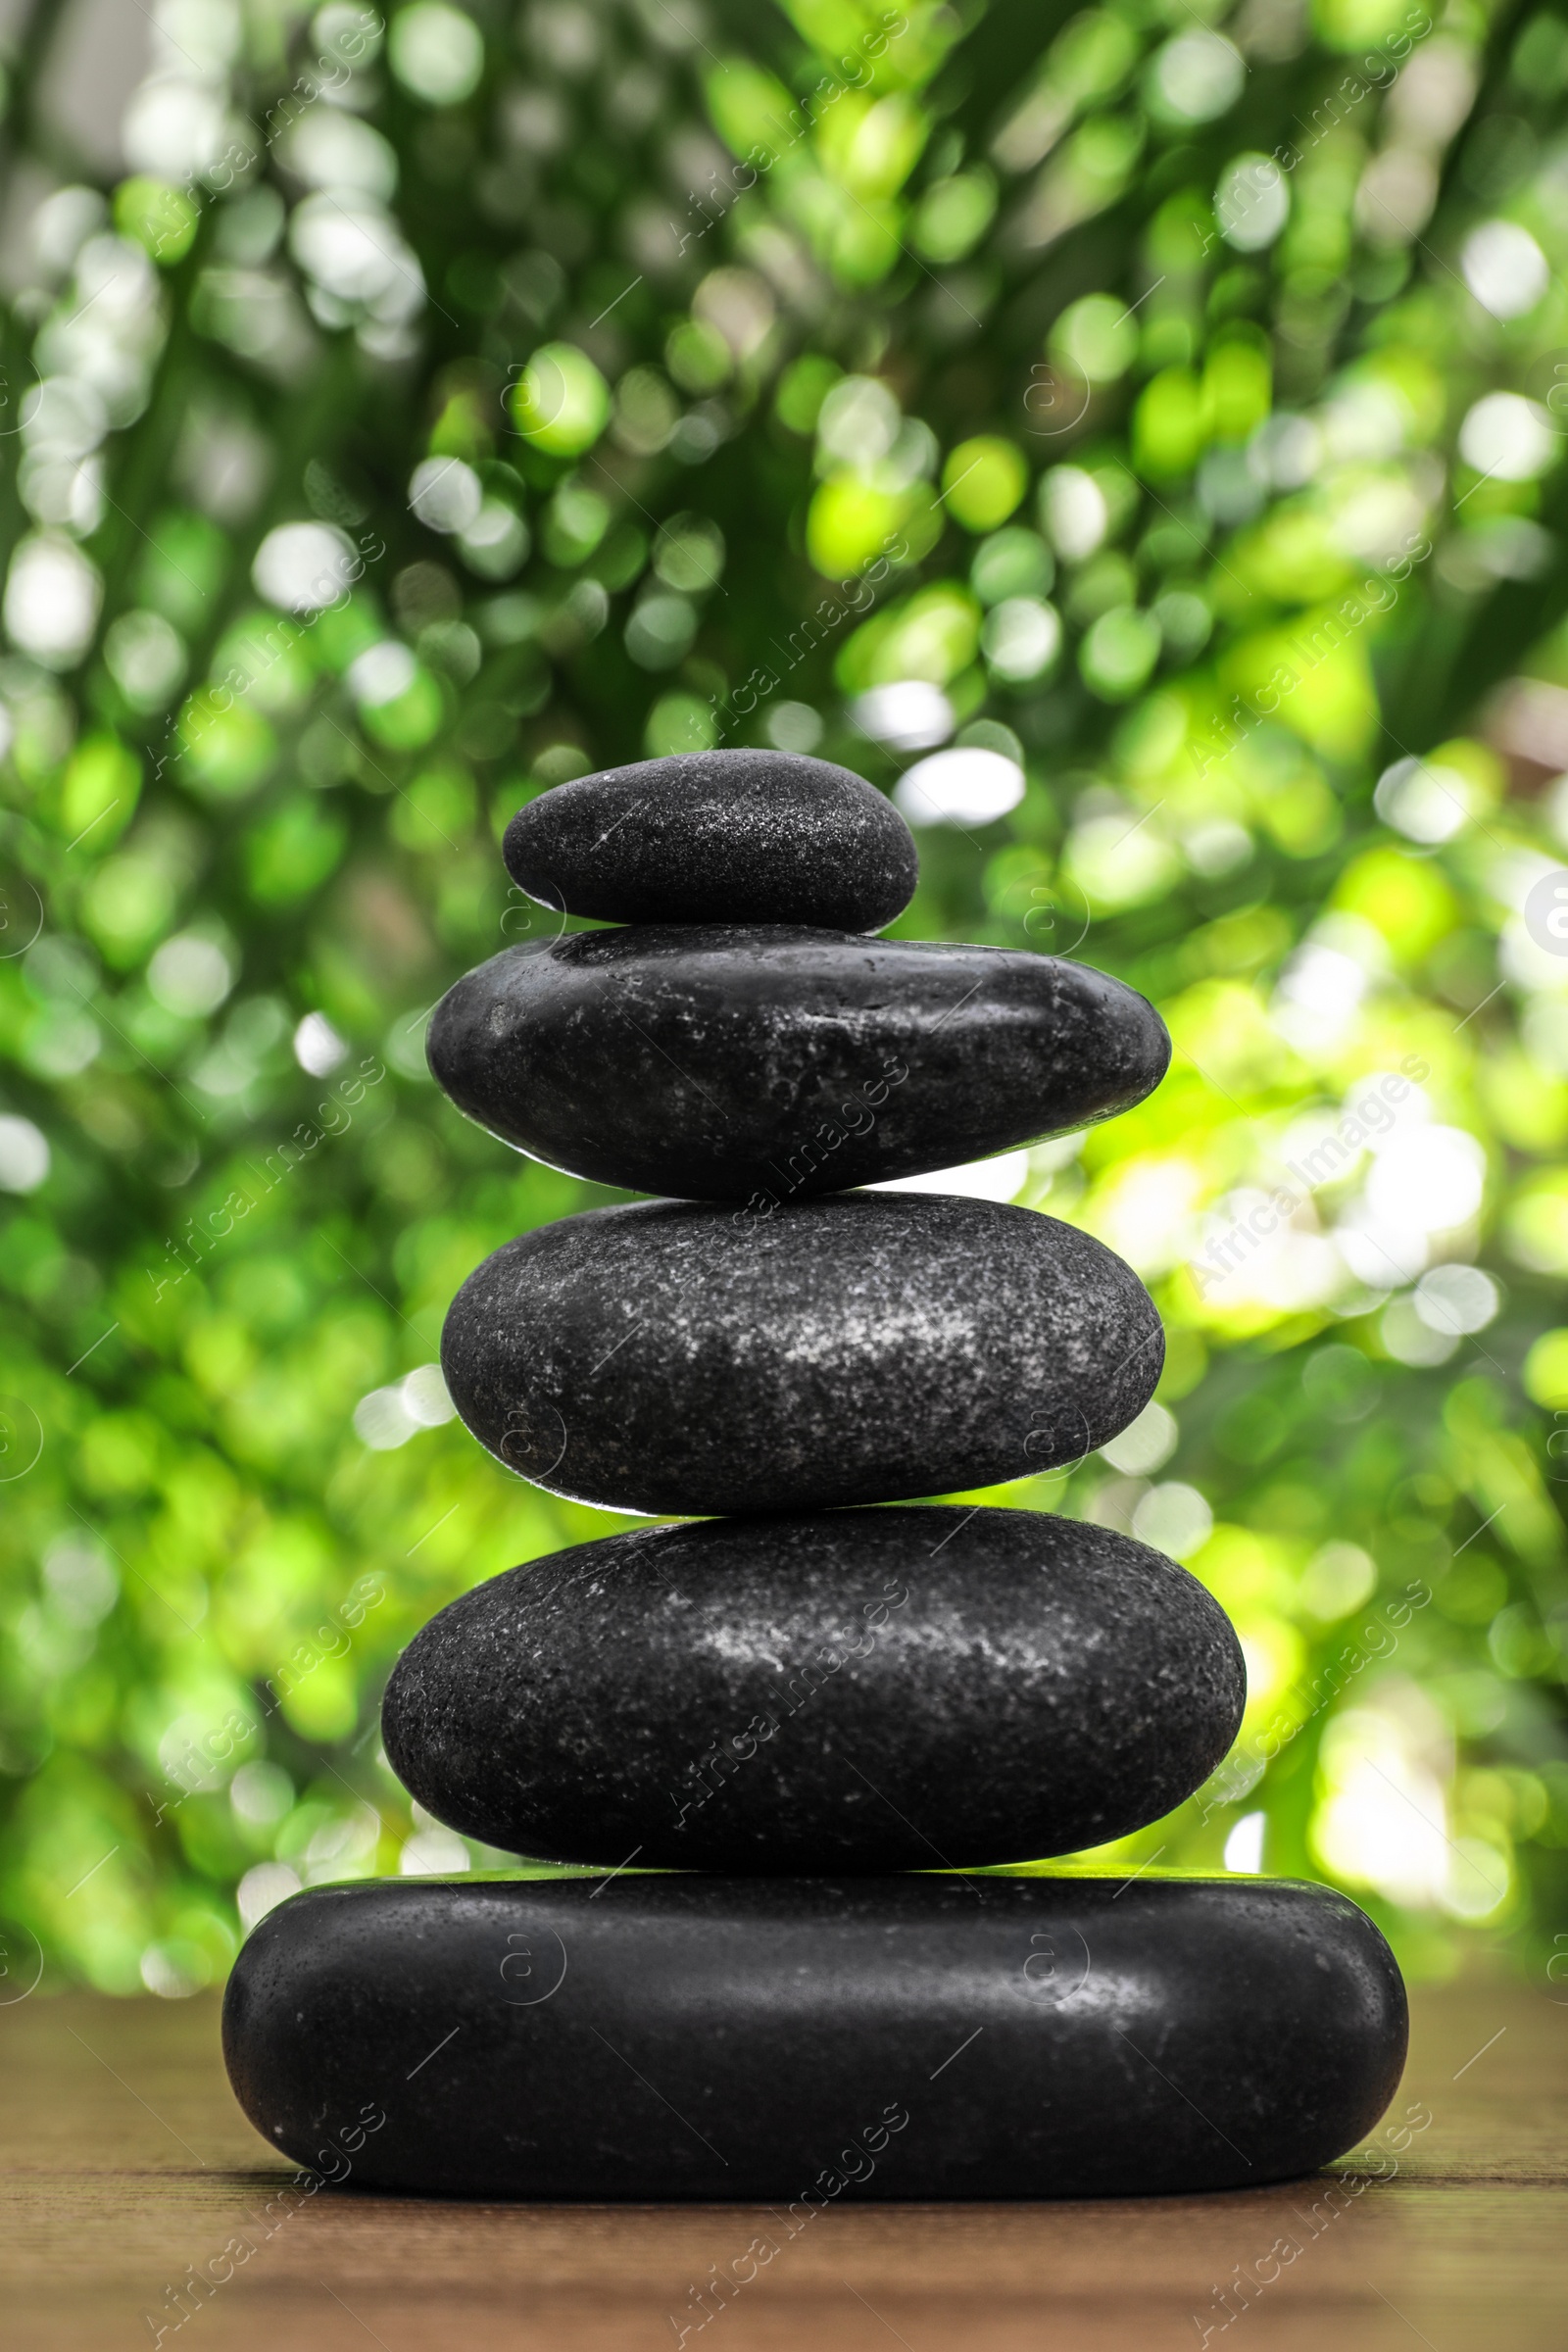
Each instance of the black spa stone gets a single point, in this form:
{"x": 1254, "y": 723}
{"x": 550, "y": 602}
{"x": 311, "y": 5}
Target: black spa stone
{"x": 718, "y": 836}
{"x": 676, "y": 1357}
{"x": 773, "y": 1062}
{"x": 803, "y": 2042}
{"x": 865, "y": 1690}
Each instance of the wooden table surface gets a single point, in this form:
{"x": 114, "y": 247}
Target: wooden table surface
{"x": 127, "y": 2167}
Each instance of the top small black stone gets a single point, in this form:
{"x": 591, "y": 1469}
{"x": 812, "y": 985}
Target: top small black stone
{"x": 703, "y": 837}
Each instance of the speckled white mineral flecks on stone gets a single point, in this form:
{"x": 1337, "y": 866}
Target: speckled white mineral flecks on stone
{"x": 684, "y": 1358}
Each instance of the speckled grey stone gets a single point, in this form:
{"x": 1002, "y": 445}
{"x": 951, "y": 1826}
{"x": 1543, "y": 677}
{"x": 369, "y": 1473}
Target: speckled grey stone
{"x": 722, "y": 1062}
{"x": 718, "y": 836}
{"x": 676, "y": 1357}
{"x": 804, "y": 2043}
{"x": 865, "y": 1690}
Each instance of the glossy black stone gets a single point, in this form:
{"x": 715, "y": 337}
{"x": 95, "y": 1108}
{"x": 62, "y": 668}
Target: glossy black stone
{"x": 676, "y": 1357}
{"x": 718, "y": 836}
{"x": 865, "y": 1690}
{"x": 770, "y": 1062}
{"x": 801, "y": 2041}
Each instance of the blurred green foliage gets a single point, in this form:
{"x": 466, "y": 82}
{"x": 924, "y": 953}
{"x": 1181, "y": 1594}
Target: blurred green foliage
{"x": 1164, "y": 402}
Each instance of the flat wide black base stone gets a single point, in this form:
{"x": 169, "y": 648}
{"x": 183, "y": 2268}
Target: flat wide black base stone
{"x": 800, "y": 2042}
{"x": 865, "y": 1690}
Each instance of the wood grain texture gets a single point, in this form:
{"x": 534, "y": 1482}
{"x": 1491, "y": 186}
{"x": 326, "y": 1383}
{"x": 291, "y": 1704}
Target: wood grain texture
{"x": 125, "y": 2166}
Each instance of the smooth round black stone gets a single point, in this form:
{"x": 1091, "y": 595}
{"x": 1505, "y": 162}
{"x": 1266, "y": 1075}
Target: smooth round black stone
{"x": 676, "y": 1357}
{"x": 800, "y": 2042}
{"x": 718, "y": 836}
{"x": 773, "y": 1062}
{"x": 865, "y": 1690}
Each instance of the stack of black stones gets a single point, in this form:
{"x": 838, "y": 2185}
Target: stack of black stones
{"x": 793, "y": 1738}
